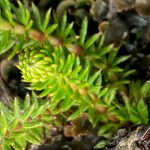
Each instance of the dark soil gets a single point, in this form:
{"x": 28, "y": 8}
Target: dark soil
{"x": 136, "y": 42}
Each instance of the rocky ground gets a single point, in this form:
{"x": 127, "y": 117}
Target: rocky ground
{"x": 106, "y": 16}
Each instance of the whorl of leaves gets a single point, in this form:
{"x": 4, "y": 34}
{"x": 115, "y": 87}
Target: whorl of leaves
{"x": 23, "y": 123}
{"x": 75, "y": 74}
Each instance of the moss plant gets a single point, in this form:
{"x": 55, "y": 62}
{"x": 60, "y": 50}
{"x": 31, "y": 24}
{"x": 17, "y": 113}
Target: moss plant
{"x": 73, "y": 74}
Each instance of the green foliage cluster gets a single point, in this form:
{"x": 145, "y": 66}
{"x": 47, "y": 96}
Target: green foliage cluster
{"x": 73, "y": 74}
{"x": 23, "y": 123}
